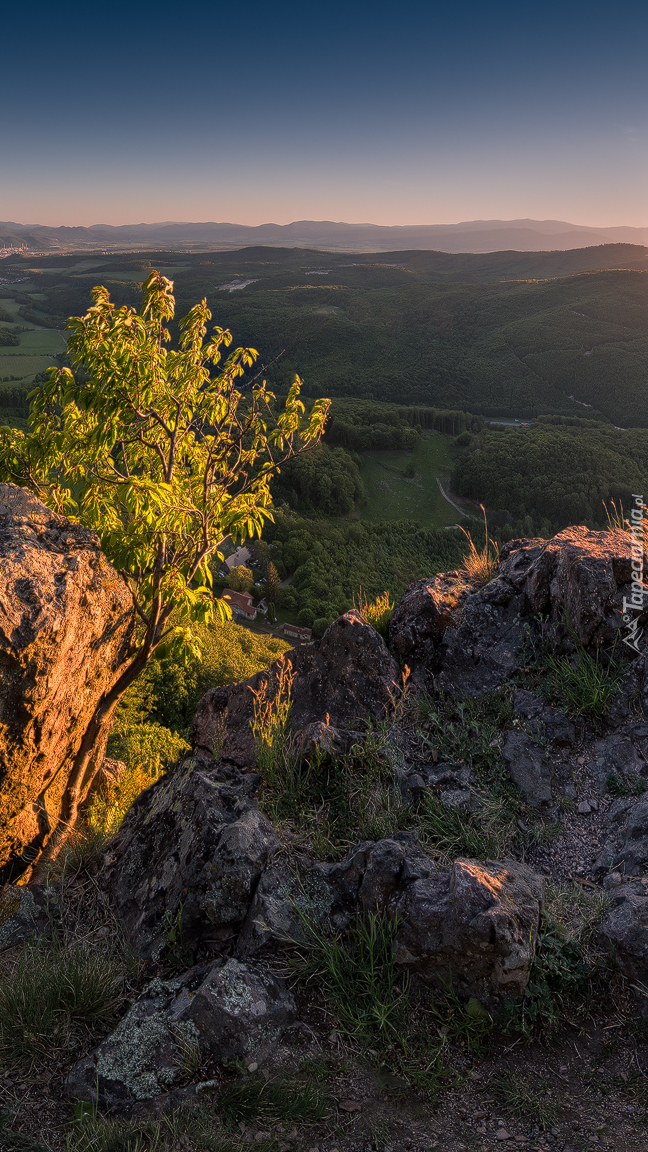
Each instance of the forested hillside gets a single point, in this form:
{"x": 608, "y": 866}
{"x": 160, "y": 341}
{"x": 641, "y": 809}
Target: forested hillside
{"x": 412, "y": 328}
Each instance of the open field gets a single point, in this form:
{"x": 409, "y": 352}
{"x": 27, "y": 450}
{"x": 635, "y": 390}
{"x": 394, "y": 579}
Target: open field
{"x": 23, "y": 365}
{"x": 391, "y": 495}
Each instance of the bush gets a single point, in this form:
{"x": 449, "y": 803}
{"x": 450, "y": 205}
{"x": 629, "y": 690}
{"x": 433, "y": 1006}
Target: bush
{"x": 305, "y": 618}
{"x": 319, "y": 627}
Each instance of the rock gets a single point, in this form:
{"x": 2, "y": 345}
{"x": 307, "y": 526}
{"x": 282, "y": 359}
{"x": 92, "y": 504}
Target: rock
{"x": 345, "y": 677}
{"x": 529, "y": 767}
{"x": 227, "y": 1011}
{"x": 189, "y": 855}
{"x": 615, "y": 756}
{"x": 485, "y": 648}
{"x": 516, "y": 557}
{"x": 623, "y": 931}
{"x": 543, "y": 720}
{"x": 426, "y": 609}
{"x": 583, "y": 808}
{"x": 107, "y": 777}
{"x": 66, "y": 622}
{"x": 626, "y": 850}
{"x": 582, "y": 575}
{"x": 24, "y": 913}
{"x": 473, "y": 925}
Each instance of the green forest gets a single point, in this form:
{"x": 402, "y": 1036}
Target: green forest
{"x": 499, "y": 334}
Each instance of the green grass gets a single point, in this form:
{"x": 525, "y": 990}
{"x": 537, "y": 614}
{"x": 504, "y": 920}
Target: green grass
{"x": 582, "y": 681}
{"x": 392, "y": 495}
{"x": 21, "y": 364}
{"x": 521, "y": 1098}
{"x": 51, "y": 992}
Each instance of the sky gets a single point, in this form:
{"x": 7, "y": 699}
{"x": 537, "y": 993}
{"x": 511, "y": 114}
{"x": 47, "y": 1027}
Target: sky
{"x": 252, "y": 112}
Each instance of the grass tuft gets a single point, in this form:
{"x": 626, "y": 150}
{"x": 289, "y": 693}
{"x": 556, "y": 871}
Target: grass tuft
{"x": 54, "y": 990}
{"x": 480, "y": 565}
{"x": 376, "y": 612}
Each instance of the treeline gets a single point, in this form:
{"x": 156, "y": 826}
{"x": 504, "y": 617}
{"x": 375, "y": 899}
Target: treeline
{"x": 333, "y": 562}
{"x": 556, "y": 473}
{"x": 364, "y": 425}
{"x": 326, "y": 480}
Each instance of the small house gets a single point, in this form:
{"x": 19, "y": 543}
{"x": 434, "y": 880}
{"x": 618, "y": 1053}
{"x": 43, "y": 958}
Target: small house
{"x": 298, "y": 633}
{"x": 241, "y": 603}
{"x": 241, "y": 556}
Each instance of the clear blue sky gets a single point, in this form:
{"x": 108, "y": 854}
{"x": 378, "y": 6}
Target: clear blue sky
{"x": 399, "y": 114}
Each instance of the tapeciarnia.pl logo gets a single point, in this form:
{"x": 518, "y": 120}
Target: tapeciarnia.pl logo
{"x": 639, "y": 590}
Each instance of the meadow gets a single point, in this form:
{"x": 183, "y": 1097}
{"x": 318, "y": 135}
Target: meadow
{"x": 392, "y": 493}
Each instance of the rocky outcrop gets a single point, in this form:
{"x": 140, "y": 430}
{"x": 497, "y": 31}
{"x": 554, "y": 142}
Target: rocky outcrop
{"x": 427, "y": 608}
{"x": 188, "y": 856}
{"x": 626, "y": 849}
{"x": 582, "y": 576}
{"x": 469, "y": 643}
{"x": 472, "y": 924}
{"x": 224, "y": 1011}
{"x": 65, "y": 626}
{"x": 340, "y": 681}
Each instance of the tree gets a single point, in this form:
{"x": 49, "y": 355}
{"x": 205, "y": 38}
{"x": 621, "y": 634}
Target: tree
{"x": 241, "y": 579}
{"x": 160, "y": 453}
{"x": 273, "y": 582}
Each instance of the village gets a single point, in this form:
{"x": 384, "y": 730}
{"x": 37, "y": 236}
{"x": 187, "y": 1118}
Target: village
{"x": 242, "y": 602}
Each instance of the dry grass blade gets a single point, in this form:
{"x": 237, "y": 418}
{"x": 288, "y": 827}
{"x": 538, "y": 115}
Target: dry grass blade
{"x": 480, "y": 565}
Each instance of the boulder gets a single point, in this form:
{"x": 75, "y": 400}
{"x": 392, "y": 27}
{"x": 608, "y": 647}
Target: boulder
{"x": 542, "y": 720}
{"x": 66, "y": 621}
{"x": 486, "y": 648}
{"x": 473, "y": 924}
{"x": 581, "y": 576}
{"x": 339, "y": 681}
{"x": 615, "y": 758}
{"x": 224, "y": 1011}
{"x": 626, "y": 849}
{"x": 188, "y": 857}
{"x": 427, "y": 608}
{"x": 623, "y": 931}
{"x": 529, "y": 767}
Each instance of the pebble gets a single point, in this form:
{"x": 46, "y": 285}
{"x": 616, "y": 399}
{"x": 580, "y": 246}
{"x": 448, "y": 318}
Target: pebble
{"x": 502, "y": 1134}
{"x": 349, "y": 1106}
{"x": 584, "y": 808}
{"x": 253, "y": 1066}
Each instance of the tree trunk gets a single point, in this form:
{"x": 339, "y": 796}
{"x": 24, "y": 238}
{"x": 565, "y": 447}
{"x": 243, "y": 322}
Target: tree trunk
{"x": 85, "y": 766}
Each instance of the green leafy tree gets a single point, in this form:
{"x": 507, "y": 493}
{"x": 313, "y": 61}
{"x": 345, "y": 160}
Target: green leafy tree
{"x": 159, "y": 451}
{"x": 241, "y": 579}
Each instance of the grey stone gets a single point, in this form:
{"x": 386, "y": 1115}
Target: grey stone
{"x": 427, "y": 608}
{"x": 623, "y": 931}
{"x": 583, "y": 808}
{"x": 191, "y": 849}
{"x": 25, "y": 912}
{"x": 228, "y": 1010}
{"x": 626, "y": 849}
{"x": 473, "y": 925}
{"x": 485, "y": 649}
{"x": 529, "y": 767}
{"x": 614, "y": 754}
{"x": 543, "y": 720}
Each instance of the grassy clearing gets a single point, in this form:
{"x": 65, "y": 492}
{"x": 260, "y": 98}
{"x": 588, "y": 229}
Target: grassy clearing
{"x": 22, "y": 364}
{"x": 392, "y": 494}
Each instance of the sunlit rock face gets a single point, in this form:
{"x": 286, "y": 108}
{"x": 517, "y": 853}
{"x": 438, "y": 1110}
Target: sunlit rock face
{"x": 66, "y": 619}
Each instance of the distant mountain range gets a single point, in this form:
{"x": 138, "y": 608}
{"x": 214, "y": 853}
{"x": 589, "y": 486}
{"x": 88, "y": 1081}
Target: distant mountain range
{"x": 468, "y": 236}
